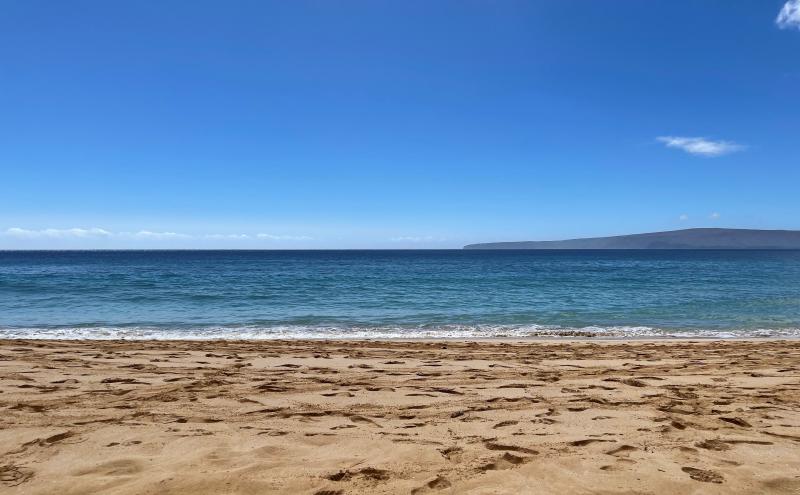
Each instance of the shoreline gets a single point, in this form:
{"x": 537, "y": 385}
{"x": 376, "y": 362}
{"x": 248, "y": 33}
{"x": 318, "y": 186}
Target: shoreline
{"x": 384, "y": 416}
{"x": 400, "y": 340}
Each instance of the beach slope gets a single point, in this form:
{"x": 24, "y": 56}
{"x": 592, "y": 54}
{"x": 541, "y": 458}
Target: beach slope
{"x": 368, "y": 417}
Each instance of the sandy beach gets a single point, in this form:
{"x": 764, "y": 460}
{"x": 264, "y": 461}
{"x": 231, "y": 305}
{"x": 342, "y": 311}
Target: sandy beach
{"x": 366, "y": 417}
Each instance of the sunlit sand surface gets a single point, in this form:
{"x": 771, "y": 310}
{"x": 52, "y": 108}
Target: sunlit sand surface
{"x": 366, "y": 417}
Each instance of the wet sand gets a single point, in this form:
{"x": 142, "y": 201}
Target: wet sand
{"x": 368, "y": 417}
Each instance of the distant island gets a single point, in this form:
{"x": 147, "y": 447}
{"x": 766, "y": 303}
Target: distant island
{"x": 674, "y": 239}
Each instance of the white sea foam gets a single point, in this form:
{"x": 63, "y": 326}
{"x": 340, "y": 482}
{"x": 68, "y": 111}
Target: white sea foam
{"x": 253, "y": 332}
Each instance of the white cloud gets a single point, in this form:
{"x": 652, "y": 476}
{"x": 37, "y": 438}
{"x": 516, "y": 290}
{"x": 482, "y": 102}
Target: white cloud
{"x": 426, "y": 238}
{"x": 789, "y": 16}
{"x": 141, "y": 235}
{"x": 411, "y": 239}
{"x": 683, "y": 217}
{"x": 227, "y": 236}
{"x": 273, "y": 237}
{"x": 91, "y": 233}
{"x": 147, "y": 234}
{"x": 700, "y": 146}
{"x": 57, "y": 233}
{"x": 714, "y": 216}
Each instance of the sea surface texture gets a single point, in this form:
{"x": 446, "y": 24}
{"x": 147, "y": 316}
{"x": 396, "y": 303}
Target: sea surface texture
{"x": 398, "y": 294}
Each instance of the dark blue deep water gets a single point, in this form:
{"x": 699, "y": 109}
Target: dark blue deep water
{"x": 270, "y": 294}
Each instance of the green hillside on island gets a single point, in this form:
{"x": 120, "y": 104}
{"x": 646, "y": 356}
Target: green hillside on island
{"x": 674, "y": 239}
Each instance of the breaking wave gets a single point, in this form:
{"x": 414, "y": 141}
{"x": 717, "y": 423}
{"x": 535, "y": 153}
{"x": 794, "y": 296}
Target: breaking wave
{"x": 261, "y": 332}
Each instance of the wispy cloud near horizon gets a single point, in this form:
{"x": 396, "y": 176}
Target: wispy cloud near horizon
{"x": 789, "y": 16}
{"x": 147, "y": 234}
{"x": 227, "y": 236}
{"x": 274, "y": 237}
{"x": 417, "y": 239}
{"x": 700, "y": 145}
{"x": 141, "y": 235}
{"x": 80, "y": 233}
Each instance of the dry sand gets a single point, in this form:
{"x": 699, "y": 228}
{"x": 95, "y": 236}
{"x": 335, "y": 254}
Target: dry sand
{"x": 367, "y": 417}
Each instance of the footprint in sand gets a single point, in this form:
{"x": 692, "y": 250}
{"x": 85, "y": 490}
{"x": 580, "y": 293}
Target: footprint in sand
{"x": 363, "y": 420}
{"x": 451, "y": 453}
{"x": 622, "y": 449}
{"x": 678, "y": 425}
{"x": 29, "y": 408}
{"x": 703, "y": 475}
{"x": 66, "y": 381}
{"x": 437, "y": 483}
{"x": 511, "y": 448}
{"x": 121, "y": 467}
{"x": 505, "y": 423}
{"x": 587, "y": 441}
{"x": 13, "y": 475}
{"x": 713, "y": 444}
{"x": 58, "y": 437}
{"x": 736, "y": 421}
{"x": 633, "y": 382}
{"x": 369, "y": 473}
{"x": 507, "y": 461}
{"x": 125, "y": 381}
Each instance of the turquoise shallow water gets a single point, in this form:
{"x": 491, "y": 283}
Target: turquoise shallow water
{"x": 271, "y": 294}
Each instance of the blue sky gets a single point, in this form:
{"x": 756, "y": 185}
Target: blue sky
{"x": 414, "y": 124}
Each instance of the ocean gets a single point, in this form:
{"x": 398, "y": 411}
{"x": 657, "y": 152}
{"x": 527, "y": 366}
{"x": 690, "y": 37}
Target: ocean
{"x": 398, "y": 294}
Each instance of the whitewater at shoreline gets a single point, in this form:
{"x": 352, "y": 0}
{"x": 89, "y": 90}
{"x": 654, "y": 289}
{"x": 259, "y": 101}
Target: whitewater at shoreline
{"x": 433, "y": 332}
